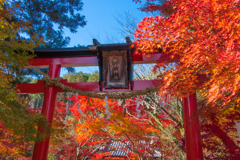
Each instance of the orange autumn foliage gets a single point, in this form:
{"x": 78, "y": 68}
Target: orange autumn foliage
{"x": 94, "y": 134}
{"x": 199, "y": 37}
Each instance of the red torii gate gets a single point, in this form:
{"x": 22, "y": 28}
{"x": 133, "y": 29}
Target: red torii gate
{"x": 54, "y": 59}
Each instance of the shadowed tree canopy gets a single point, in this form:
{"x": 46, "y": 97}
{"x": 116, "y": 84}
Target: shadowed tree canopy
{"x": 47, "y": 19}
{"x": 82, "y": 77}
{"x": 24, "y": 25}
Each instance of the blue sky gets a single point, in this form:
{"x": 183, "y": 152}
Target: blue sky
{"x": 100, "y": 20}
{"x": 101, "y": 24}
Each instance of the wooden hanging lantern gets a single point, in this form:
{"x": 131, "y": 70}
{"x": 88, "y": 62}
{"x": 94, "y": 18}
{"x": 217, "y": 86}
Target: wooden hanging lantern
{"x": 115, "y": 71}
{"x": 115, "y": 65}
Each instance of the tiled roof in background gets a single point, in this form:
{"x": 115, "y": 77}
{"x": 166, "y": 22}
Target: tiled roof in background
{"x": 117, "y": 148}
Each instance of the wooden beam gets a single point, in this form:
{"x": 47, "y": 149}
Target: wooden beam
{"x": 38, "y": 87}
{"x": 87, "y": 61}
{"x": 65, "y": 62}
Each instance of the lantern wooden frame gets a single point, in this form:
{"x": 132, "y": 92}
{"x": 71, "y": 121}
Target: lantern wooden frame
{"x": 115, "y": 69}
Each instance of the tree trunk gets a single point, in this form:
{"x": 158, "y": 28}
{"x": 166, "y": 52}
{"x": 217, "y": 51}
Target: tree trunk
{"x": 227, "y": 141}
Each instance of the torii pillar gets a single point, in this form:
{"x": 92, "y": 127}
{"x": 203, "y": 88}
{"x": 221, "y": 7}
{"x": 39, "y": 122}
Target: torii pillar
{"x": 193, "y": 139}
{"x": 41, "y": 148}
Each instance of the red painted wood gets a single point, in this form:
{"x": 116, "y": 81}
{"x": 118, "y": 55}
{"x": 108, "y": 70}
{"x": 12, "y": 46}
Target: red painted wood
{"x": 41, "y": 148}
{"x": 137, "y": 85}
{"x": 39, "y": 87}
{"x": 83, "y": 86}
{"x": 192, "y": 129}
{"x": 87, "y": 61}
{"x": 140, "y": 59}
{"x": 143, "y": 84}
{"x": 31, "y": 88}
{"x": 65, "y": 62}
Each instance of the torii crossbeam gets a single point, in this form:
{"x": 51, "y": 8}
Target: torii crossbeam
{"x": 54, "y": 59}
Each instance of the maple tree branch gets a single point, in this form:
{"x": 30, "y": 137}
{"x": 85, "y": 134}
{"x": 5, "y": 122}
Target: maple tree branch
{"x": 165, "y": 130}
{"x": 164, "y": 110}
{"x": 95, "y": 150}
